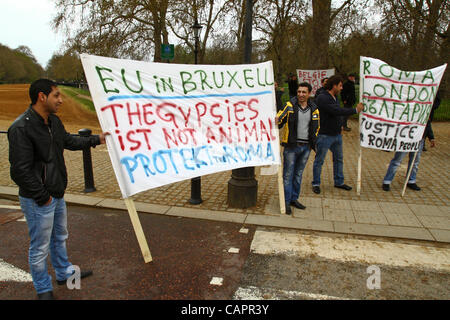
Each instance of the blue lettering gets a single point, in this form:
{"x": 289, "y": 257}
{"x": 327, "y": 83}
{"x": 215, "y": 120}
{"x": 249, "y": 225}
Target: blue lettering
{"x": 157, "y": 155}
{"x": 186, "y": 159}
{"x": 126, "y": 162}
{"x": 270, "y": 152}
{"x": 145, "y": 161}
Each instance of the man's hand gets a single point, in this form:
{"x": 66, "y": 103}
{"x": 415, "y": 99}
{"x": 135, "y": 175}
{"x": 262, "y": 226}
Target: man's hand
{"x": 360, "y": 107}
{"x": 433, "y": 143}
{"x": 49, "y": 201}
{"x": 103, "y": 137}
{"x": 276, "y": 120}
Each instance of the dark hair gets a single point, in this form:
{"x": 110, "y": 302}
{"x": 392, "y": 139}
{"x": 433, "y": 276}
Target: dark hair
{"x": 323, "y": 80}
{"x": 333, "y": 81}
{"x": 305, "y": 84}
{"x": 42, "y": 85}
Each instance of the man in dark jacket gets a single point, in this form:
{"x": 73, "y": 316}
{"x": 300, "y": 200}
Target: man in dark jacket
{"x": 301, "y": 117}
{"x": 37, "y": 140}
{"x": 348, "y": 96}
{"x": 330, "y": 137}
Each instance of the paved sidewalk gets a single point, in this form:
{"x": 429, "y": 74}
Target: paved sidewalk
{"x": 423, "y": 215}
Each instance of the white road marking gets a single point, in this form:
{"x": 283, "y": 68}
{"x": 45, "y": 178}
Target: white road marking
{"x": 216, "y": 281}
{"x": 10, "y": 273}
{"x": 255, "y": 293}
{"x": 243, "y": 230}
{"x": 7, "y": 206}
{"x": 339, "y": 249}
{"x": 233, "y": 250}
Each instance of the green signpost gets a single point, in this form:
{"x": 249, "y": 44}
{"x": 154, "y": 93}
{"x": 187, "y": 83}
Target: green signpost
{"x": 167, "y": 51}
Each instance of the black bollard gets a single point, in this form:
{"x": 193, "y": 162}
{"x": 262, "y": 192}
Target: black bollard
{"x": 196, "y": 191}
{"x": 87, "y": 164}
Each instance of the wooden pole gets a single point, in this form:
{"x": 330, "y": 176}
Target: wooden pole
{"x": 138, "y": 230}
{"x": 281, "y": 188}
{"x": 361, "y": 92}
{"x": 409, "y": 174}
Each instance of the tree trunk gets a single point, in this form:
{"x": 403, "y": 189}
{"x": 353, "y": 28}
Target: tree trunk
{"x": 321, "y": 24}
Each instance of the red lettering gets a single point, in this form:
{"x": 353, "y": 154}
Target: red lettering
{"x": 168, "y": 116}
{"x": 144, "y": 107}
{"x": 185, "y": 117}
{"x": 216, "y": 105}
{"x": 136, "y": 142}
{"x": 210, "y": 135}
{"x": 238, "y": 110}
{"x": 136, "y": 113}
{"x": 200, "y": 115}
{"x": 145, "y": 131}
{"x": 254, "y": 110}
{"x": 112, "y": 107}
{"x": 248, "y": 133}
{"x": 224, "y": 135}
{"x": 263, "y": 129}
{"x": 168, "y": 138}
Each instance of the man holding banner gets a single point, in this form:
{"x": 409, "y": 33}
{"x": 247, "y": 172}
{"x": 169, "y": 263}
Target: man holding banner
{"x": 330, "y": 137}
{"x": 37, "y": 140}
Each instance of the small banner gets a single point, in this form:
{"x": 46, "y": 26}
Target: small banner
{"x": 172, "y": 122}
{"x": 397, "y": 104}
{"x": 314, "y": 77}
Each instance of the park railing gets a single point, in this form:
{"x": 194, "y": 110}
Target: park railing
{"x": 89, "y": 185}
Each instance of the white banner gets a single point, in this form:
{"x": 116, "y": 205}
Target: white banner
{"x": 171, "y": 122}
{"x": 397, "y": 104}
{"x": 314, "y": 77}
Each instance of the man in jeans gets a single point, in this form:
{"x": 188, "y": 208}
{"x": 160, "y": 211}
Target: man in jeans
{"x": 301, "y": 117}
{"x": 37, "y": 140}
{"x": 398, "y": 158}
{"x": 330, "y": 137}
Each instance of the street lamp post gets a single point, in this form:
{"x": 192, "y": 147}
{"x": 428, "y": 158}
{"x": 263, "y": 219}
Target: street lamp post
{"x": 243, "y": 187}
{"x": 196, "y": 183}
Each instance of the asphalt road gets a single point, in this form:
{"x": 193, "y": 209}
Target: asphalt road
{"x": 204, "y": 260}
{"x": 187, "y": 254}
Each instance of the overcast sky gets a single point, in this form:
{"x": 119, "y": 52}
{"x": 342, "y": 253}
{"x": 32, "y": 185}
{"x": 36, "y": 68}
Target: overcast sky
{"x": 27, "y": 22}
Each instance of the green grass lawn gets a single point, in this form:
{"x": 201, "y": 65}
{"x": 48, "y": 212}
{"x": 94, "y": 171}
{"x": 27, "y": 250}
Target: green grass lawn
{"x": 77, "y": 95}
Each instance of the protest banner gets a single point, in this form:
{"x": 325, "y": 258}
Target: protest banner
{"x": 314, "y": 77}
{"x": 397, "y": 105}
{"x": 172, "y": 122}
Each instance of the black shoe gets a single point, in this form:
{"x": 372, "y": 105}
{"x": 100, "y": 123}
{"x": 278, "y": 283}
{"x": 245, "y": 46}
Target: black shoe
{"x": 424, "y": 149}
{"x": 288, "y": 210}
{"x": 316, "y": 189}
{"x": 46, "y": 296}
{"x": 344, "y": 186}
{"x": 83, "y": 275}
{"x": 298, "y": 205}
{"x": 413, "y": 186}
{"x": 386, "y": 187}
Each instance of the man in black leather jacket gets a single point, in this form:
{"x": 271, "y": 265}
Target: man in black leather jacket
{"x": 37, "y": 140}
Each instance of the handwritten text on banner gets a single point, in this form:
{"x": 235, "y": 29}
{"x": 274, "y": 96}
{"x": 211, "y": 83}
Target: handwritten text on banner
{"x": 397, "y": 104}
{"x": 171, "y": 122}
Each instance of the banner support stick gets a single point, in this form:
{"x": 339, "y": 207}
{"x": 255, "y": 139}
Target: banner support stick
{"x": 409, "y": 174}
{"x": 281, "y": 189}
{"x": 358, "y": 183}
{"x": 138, "y": 230}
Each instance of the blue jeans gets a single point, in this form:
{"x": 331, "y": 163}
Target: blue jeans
{"x": 47, "y": 228}
{"x": 333, "y": 143}
{"x": 397, "y": 160}
{"x": 295, "y": 159}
